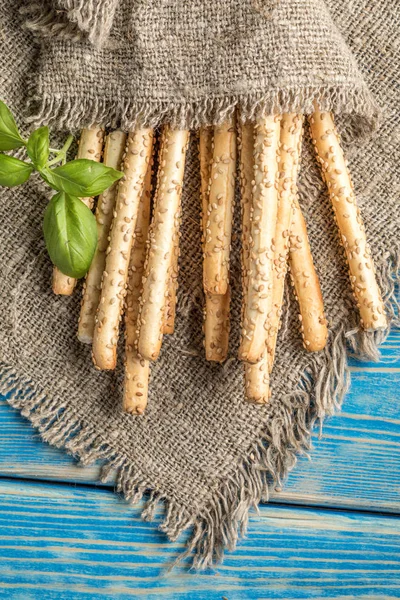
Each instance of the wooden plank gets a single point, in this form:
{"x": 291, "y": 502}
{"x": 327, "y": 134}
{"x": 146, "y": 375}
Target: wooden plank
{"x": 356, "y": 463}
{"x": 390, "y": 355}
{"x": 61, "y": 542}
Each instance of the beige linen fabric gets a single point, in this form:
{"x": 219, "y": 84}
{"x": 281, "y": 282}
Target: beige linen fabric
{"x": 199, "y": 448}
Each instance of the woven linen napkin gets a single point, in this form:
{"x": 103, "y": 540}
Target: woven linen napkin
{"x": 200, "y": 449}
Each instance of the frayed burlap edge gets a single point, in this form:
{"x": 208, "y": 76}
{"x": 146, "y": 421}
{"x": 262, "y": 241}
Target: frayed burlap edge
{"x": 224, "y": 517}
{"x": 359, "y": 114}
{"x": 73, "y": 20}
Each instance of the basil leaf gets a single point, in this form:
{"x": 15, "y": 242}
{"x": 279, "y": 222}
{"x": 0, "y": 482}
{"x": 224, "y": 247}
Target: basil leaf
{"x": 9, "y": 134}
{"x": 38, "y": 147}
{"x": 13, "y": 171}
{"x": 70, "y": 234}
{"x": 81, "y": 177}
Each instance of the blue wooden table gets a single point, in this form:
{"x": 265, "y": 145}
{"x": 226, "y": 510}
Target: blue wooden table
{"x": 334, "y": 532}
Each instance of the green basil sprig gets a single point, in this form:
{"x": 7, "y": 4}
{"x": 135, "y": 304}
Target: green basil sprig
{"x": 69, "y": 226}
{"x": 10, "y": 137}
{"x": 38, "y": 147}
{"x": 70, "y": 233}
{"x": 81, "y": 177}
{"x": 13, "y": 171}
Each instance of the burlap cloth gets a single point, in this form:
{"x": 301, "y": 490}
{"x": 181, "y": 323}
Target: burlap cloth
{"x": 199, "y": 448}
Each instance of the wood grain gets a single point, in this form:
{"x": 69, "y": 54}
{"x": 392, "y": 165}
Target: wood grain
{"x": 355, "y": 464}
{"x": 61, "y": 542}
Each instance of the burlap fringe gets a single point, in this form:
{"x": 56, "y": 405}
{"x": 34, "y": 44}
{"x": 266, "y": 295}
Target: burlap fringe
{"x": 224, "y": 519}
{"x": 360, "y": 114}
{"x": 92, "y": 20}
{"x": 48, "y": 23}
{"x": 73, "y": 20}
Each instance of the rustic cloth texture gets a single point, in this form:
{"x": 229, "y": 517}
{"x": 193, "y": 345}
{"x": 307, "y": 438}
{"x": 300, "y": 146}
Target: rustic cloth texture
{"x": 192, "y": 62}
{"x": 200, "y": 449}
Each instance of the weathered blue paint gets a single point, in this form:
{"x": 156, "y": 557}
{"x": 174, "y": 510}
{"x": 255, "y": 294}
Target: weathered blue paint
{"x": 85, "y": 543}
{"x": 71, "y": 542}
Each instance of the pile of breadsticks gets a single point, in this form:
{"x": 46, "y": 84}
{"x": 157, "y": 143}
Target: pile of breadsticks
{"x": 134, "y": 272}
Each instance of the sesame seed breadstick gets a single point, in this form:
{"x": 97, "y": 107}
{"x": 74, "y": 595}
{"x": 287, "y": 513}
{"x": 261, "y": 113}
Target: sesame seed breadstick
{"x": 170, "y": 299}
{"x": 256, "y": 375}
{"x": 217, "y": 243}
{"x": 362, "y": 272}
{"x": 135, "y": 163}
{"x": 290, "y": 149}
{"x": 216, "y": 310}
{"x": 113, "y": 150}
{"x": 217, "y": 326}
{"x": 162, "y": 238}
{"x": 306, "y": 284}
{"x": 137, "y": 369}
{"x": 246, "y": 156}
{"x": 257, "y": 295}
{"x": 91, "y": 147}
{"x": 205, "y": 156}
{"x": 62, "y": 284}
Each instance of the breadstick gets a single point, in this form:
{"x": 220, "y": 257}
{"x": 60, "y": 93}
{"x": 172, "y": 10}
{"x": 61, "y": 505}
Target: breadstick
{"x": 170, "y": 299}
{"x": 62, "y": 284}
{"x": 246, "y": 141}
{"x": 217, "y": 243}
{"x": 290, "y": 148}
{"x": 113, "y": 150}
{"x": 137, "y": 159}
{"x": 205, "y": 157}
{"x": 137, "y": 369}
{"x": 306, "y": 284}
{"x": 216, "y": 310}
{"x": 216, "y": 326}
{"x": 256, "y": 375}
{"x": 162, "y": 238}
{"x": 90, "y": 146}
{"x": 337, "y": 176}
{"x": 257, "y": 295}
